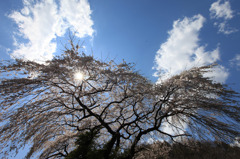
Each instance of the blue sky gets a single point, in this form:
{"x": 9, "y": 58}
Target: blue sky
{"x": 169, "y": 36}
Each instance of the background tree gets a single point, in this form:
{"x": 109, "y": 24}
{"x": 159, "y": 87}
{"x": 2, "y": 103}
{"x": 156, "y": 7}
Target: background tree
{"x": 189, "y": 149}
{"x": 49, "y": 105}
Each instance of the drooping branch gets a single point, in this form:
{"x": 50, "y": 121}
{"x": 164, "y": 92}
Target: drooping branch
{"x": 46, "y": 106}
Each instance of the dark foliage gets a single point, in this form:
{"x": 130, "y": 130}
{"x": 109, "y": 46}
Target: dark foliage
{"x": 86, "y": 147}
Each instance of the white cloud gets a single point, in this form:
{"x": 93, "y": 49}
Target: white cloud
{"x": 236, "y": 61}
{"x": 78, "y": 16}
{"x": 40, "y": 22}
{"x": 182, "y": 51}
{"x": 223, "y": 12}
{"x": 224, "y": 28}
{"x": 218, "y": 74}
{"x": 236, "y": 142}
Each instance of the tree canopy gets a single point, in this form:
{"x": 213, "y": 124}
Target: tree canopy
{"x": 49, "y": 105}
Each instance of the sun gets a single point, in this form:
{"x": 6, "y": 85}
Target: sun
{"x": 78, "y": 76}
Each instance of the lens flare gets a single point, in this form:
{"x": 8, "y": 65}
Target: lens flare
{"x": 78, "y": 76}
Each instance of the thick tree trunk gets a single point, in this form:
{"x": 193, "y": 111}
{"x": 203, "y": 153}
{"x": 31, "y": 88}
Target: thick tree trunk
{"x": 109, "y": 147}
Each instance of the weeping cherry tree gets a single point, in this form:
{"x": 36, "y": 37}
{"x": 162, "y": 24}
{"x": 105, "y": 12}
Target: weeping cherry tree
{"x": 48, "y": 105}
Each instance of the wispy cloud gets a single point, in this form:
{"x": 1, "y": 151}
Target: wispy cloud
{"x": 41, "y": 22}
{"x": 182, "y": 50}
{"x": 236, "y": 61}
{"x": 222, "y": 11}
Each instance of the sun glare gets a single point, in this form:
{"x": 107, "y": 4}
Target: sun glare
{"x": 78, "y": 76}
